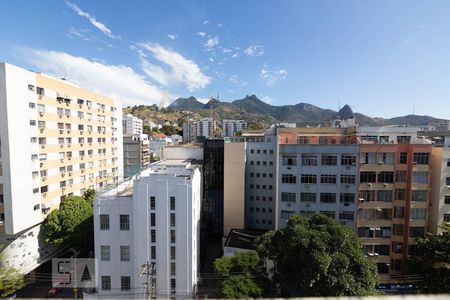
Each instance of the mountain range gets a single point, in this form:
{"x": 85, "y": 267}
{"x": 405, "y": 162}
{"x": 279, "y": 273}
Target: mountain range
{"x": 254, "y": 110}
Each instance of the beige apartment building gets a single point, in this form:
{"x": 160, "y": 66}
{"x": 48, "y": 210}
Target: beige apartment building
{"x": 56, "y": 139}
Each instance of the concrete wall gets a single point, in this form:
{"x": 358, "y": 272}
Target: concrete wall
{"x": 234, "y": 186}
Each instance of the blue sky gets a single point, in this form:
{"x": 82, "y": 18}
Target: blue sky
{"x": 384, "y": 58}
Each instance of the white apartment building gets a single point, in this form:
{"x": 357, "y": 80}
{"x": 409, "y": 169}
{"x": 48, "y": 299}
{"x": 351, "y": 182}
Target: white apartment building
{"x": 230, "y": 127}
{"x": 189, "y": 131}
{"x": 132, "y": 125}
{"x": 260, "y": 179}
{"x": 56, "y": 139}
{"x": 205, "y": 127}
{"x": 152, "y": 220}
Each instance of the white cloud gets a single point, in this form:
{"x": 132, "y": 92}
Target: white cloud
{"x": 172, "y": 36}
{"x": 255, "y": 50}
{"x": 205, "y": 22}
{"x": 219, "y": 25}
{"x": 272, "y": 76}
{"x": 115, "y": 81}
{"x": 238, "y": 81}
{"x": 100, "y": 26}
{"x": 235, "y": 55}
{"x": 79, "y": 34}
{"x": 211, "y": 42}
{"x": 226, "y": 50}
{"x": 180, "y": 69}
{"x": 267, "y": 99}
{"x": 211, "y": 59}
{"x": 203, "y": 100}
{"x": 201, "y": 33}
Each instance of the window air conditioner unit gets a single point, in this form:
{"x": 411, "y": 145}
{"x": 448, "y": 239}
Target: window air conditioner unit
{"x": 361, "y": 199}
{"x": 381, "y": 162}
{"x": 70, "y": 173}
{"x": 44, "y": 178}
{"x": 62, "y": 160}
{"x": 61, "y": 131}
{"x": 41, "y": 113}
{"x": 369, "y": 184}
{"x": 385, "y": 184}
{"x": 41, "y": 130}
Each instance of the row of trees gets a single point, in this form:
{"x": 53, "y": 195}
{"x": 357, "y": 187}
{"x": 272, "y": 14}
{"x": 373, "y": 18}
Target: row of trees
{"x": 320, "y": 257}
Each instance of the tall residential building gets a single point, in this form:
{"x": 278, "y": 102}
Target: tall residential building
{"x": 56, "y": 139}
{"x": 205, "y": 128}
{"x": 317, "y": 172}
{"x": 394, "y": 195}
{"x": 230, "y": 127}
{"x": 136, "y": 153}
{"x": 260, "y": 179}
{"x": 189, "y": 132}
{"x": 132, "y": 125}
{"x": 440, "y": 182}
{"x": 150, "y": 224}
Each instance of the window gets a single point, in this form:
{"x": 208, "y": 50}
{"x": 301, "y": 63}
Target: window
{"x": 386, "y": 177}
{"x": 172, "y": 236}
{"x": 32, "y": 122}
{"x": 287, "y": 197}
{"x": 417, "y": 214}
{"x": 347, "y": 198}
{"x": 420, "y": 177}
{"x": 105, "y": 253}
{"x": 288, "y": 178}
{"x": 153, "y": 235}
{"x": 309, "y": 160}
{"x": 386, "y": 158}
{"x": 398, "y": 229}
{"x": 368, "y": 177}
{"x": 172, "y": 252}
{"x": 172, "y": 203}
{"x": 403, "y": 158}
{"x": 40, "y": 91}
{"x": 421, "y": 158}
{"x": 418, "y": 195}
{"x": 447, "y": 181}
{"x": 382, "y": 250}
{"x": 346, "y": 215}
{"x": 447, "y": 218}
{"x": 329, "y": 160}
{"x": 172, "y": 269}
{"x": 309, "y": 178}
{"x": 384, "y": 196}
{"x": 106, "y": 283}
{"x": 44, "y": 189}
{"x": 400, "y": 194}
{"x": 399, "y": 212}
{"x": 382, "y": 268}
{"x": 416, "y": 231}
{"x": 330, "y": 179}
{"x": 447, "y": 200}
{"x": 400, "y": 176}
{"x": 124, "y": 253}
{"x": 31, "y": 88}
{"x": 397, "y": 247}
{"x": 41, "y": 108}
{"x": 104, "y": 222}
{"x": 42, "y": 157}
{"x": 125, "y": 222}
{"x": 153, "y": 252}
{"x": 348, "y": 179}
{"x": 368, "y": 158}
{"x": 125, "y": 283}
{"x": 286, "y": 214}
{"x": 172, "y": 219}
{"x": 329, "y": 214}
{"x": 152, "y": 219}
{"x": 173, "y": 285}
{"x": 308, "y": 197}
{"x": 327, "y": 198}
{"x": 31, "y": 105}
{"x": 348, "y": 160}
{"x": 289, "y": 160}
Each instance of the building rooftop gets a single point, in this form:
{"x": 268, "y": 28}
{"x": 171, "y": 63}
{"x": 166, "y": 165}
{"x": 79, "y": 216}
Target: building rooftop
{"x": 242, "y": 239}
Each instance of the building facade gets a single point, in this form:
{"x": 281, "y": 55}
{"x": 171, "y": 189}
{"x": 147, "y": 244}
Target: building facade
{"x": 205, "y": 128}
{"x": 56, "y": 140}
{"x": 136, "y": 154}
{"x": 150, "y": 224}
{"x": 189, "y": 132}
{"x": 132, "y": 125}
{"x": 394, "y": 196}
{"x": 317, "y": 173}
{"x": 230, "y": 127}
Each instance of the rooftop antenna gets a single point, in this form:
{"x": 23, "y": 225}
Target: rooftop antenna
{"x": 339, "y": 105}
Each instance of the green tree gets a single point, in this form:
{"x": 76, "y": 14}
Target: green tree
{"x": 72, "y": 224}
{"x": 10, "y": 280}
{"x": 317, "y": 257}
{"x": 89, "y": 195}
{"x": 240, "y": 276}
{"x": 255, "y": 126}
{"x": 433, "y": 262}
